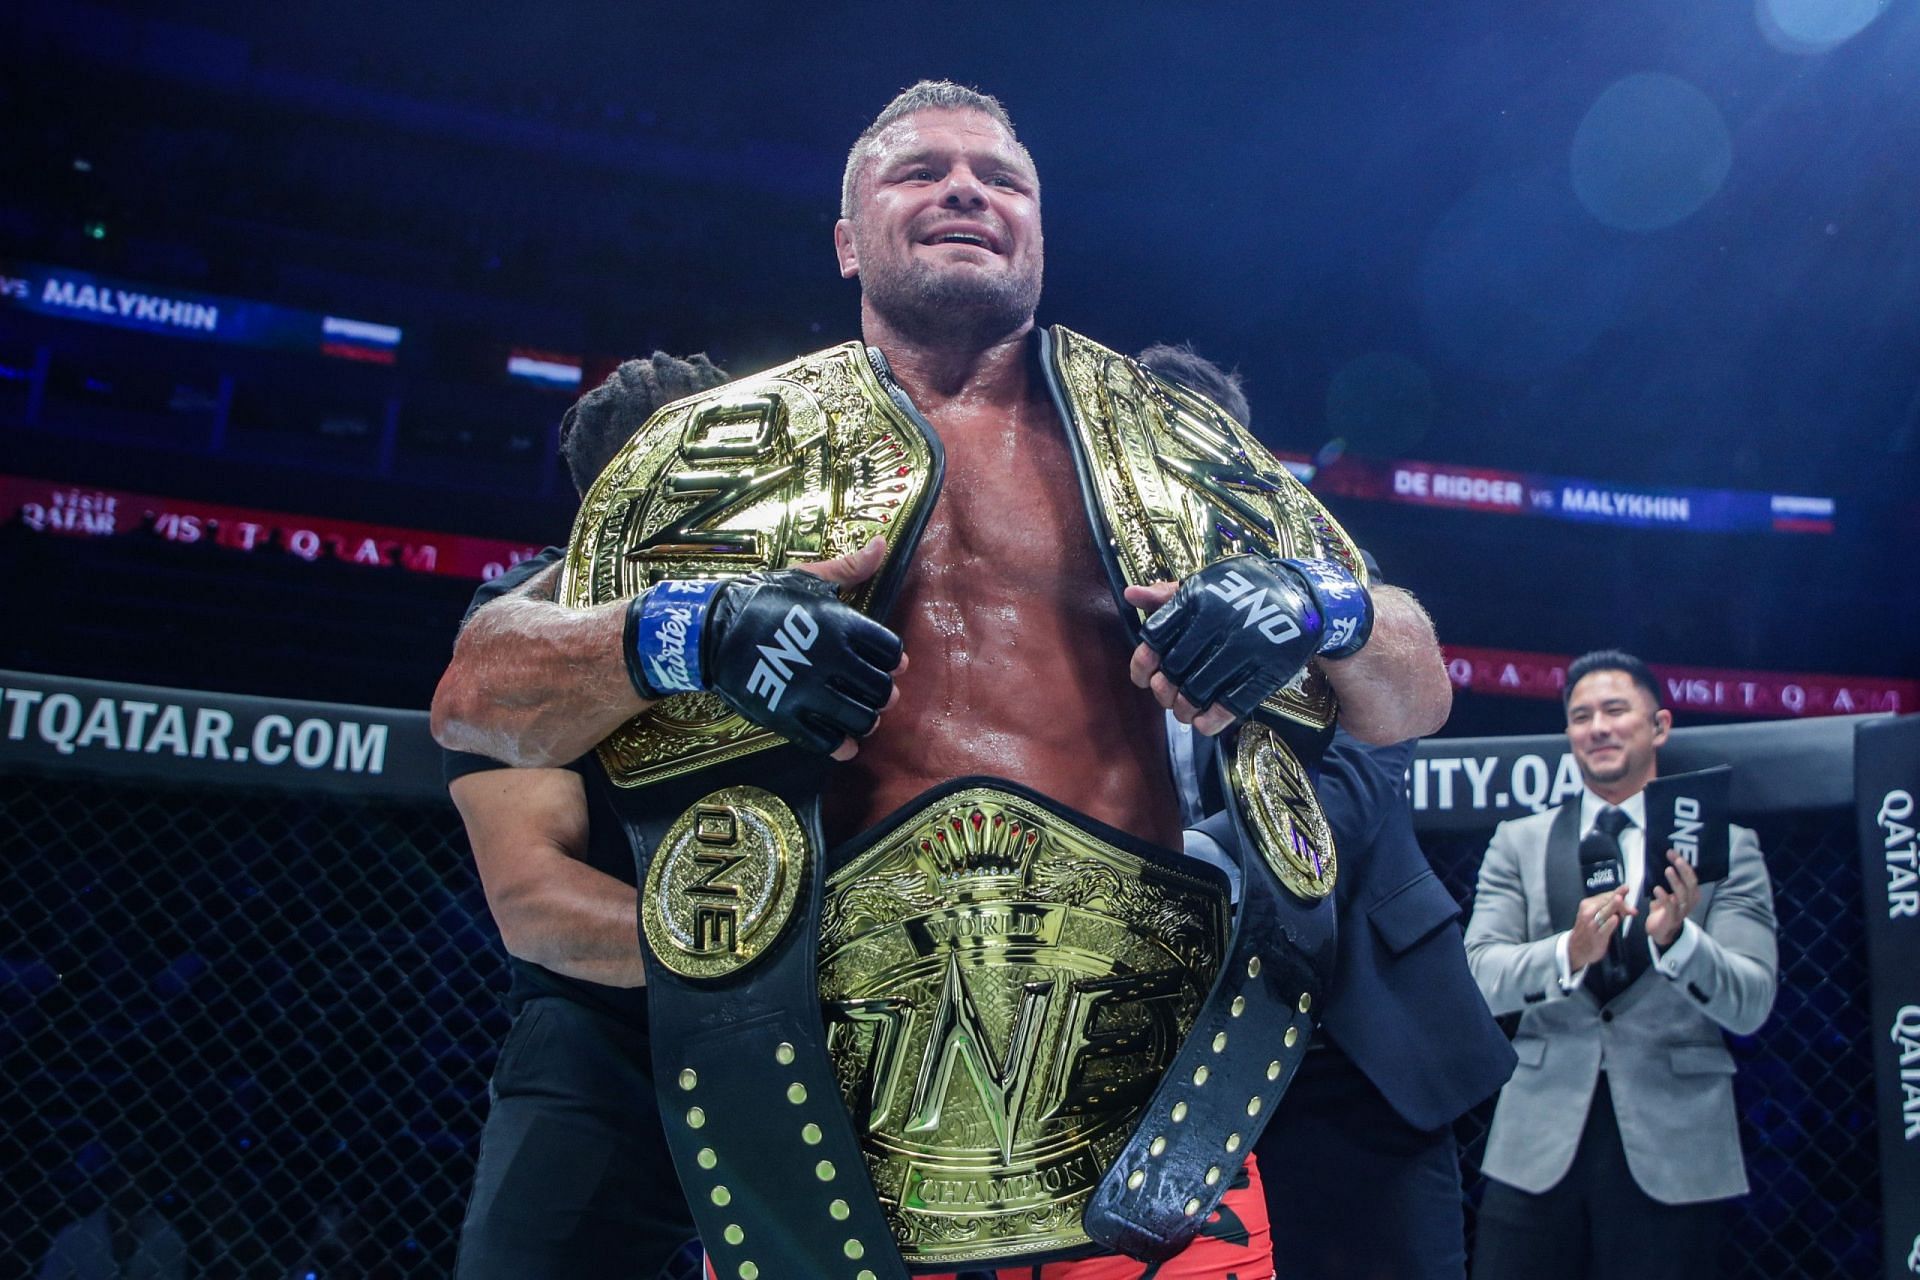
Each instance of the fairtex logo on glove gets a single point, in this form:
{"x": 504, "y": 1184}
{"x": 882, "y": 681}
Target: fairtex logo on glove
{"x": 672, "y": 617}
{"x": 770, "y": 676}
{"x": 1349, "y": 608}
{"x": 668, "y": 669}
{"x": 1273, "y": 619}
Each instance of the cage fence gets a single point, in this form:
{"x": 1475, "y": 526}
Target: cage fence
{"x": 255, "y": 1027}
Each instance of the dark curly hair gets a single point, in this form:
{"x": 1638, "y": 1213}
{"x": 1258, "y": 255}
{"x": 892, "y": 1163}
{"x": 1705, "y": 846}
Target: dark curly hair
{"x": 605, "y": 418}
{"x": 1184, "y": 365}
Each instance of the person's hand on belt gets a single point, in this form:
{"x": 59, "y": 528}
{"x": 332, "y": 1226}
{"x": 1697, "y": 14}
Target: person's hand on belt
{"x": 779, "y": 647}
{"x": 1226, "y": 637}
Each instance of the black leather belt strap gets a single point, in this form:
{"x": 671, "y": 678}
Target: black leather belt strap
{"x": 752, "y": 1112}
{"x": 1217, "y": 1097}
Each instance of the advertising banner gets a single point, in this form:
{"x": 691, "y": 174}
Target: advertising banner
{"x": 1768, "y": 695}
{"x": 1519, "y": 493}
{"x": 64, "y": 725}
{"x": 180, "y": 313}
{"x": 1785, "y": 766}
{"x": 1886, "y": 761}
{"x": 84, "y": 511}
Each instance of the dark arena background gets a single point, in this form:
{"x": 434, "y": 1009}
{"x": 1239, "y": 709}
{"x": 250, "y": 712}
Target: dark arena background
{"x": 1597, "y": 325}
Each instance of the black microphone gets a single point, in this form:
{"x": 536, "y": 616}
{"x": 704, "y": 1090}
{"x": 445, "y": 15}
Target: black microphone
{"x": 1603, "y": 872}
{"x": 1600, "y": 864}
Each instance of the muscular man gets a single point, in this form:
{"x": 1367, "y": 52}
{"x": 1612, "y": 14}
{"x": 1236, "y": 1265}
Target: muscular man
{"x": 573, "y": 1178}
{"x": 1023, "y": 669}
{"x": 1615, "y": 1145}
{"x": 1364, "y": 1136}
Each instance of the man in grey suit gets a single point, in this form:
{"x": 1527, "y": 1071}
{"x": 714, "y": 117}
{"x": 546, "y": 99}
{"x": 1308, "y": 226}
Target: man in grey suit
{"x": 1615, "y": 1144}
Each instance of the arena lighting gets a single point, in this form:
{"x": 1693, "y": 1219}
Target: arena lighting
{"x": 1513, "y": 283}
{"x": 1814, "y": 26}
{"x": 1650, "y": 152}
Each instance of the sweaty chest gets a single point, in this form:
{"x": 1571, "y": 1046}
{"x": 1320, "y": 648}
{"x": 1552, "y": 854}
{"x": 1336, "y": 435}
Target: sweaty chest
{"x": 1018, "y": 659}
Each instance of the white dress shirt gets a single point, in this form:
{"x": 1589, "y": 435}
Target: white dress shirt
{"x": 1633, "y": 852}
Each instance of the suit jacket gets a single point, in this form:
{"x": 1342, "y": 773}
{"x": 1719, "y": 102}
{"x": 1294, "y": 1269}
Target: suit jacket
{"x": 1659, "y": 1039}
{"x": 1403, "y": 1004}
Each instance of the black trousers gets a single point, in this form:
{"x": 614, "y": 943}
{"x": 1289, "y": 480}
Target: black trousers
{"x": 1353, "y": 1191}
{"x": 1596, "y": 1223}
{"x": 574, "y": 1180}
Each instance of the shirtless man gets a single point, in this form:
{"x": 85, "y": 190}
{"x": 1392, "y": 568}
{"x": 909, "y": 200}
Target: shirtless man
{"x": 1018, "y": 667}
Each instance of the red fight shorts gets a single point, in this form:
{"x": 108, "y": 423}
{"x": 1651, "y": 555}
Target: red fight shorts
{"x": 1234, "y": 1245}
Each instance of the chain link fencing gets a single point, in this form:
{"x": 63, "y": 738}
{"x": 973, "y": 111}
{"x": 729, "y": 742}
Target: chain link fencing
{"x": 255, "y": 1027}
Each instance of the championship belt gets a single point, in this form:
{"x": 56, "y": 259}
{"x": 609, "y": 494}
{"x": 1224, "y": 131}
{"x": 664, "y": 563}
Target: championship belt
{"x": 1005, "y": 983}
{"x": 799, "y": 464}
{"x": 1173, "y": 484}
{"x": 1004, "y": 1102}
{"x": 805, "y": 462}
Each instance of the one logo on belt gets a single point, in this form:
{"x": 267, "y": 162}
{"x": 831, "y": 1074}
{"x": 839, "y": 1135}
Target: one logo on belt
{"x": 1003, "y": 993}
{"x": 1048, "y": 1063}
{"x": 723, "y": 883}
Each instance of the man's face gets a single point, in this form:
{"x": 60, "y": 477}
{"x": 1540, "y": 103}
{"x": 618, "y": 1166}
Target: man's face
{"x": 945, "y": 235}
{"x": 1613, "y": 728}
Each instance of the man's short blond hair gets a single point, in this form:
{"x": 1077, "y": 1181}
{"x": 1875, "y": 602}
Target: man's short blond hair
{"x": 928, "y": 95}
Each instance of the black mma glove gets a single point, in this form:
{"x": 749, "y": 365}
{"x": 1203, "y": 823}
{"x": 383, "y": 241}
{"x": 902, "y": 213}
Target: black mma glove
{"x": 780, "y": 648}
{"x": 1242, "y": 627}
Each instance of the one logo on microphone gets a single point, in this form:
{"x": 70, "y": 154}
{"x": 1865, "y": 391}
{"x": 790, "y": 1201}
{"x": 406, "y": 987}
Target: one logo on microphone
{"x": 1603, "y": 878}
{"x": 1913, "y": 1257}
{"x": 1270, "y": 616}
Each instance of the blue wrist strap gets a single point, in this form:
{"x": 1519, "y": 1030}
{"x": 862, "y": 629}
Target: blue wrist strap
{"x": 666, "y": 634}
{"x": 1347, "y": 607}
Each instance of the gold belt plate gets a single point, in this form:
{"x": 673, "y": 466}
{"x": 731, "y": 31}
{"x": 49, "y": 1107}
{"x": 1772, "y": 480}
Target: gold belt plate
{"x": 1182, "y": 485}
{"x": 803, "y": 463}
{"x": 1003, "y": 992}
{"x": 723, "y": 883}
{"x": 1277, "y": 799}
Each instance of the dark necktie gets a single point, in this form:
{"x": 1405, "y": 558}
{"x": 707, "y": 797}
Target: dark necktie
{"x": 1610, "y": 976}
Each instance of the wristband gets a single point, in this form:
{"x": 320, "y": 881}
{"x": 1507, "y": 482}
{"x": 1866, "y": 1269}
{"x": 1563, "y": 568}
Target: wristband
{"x": 1345, "y": 606}
{"x": 664, "y": 626}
